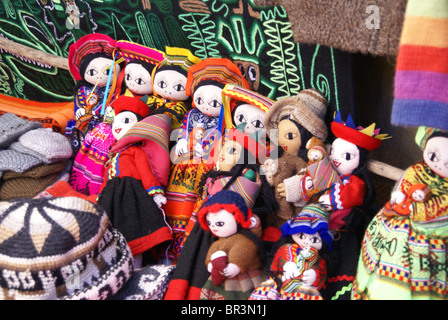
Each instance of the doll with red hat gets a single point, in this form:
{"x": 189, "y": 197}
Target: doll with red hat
{"x": 348, "y": 201}
{"x": 137, "y": 171}
{"x": 235, "y": 258}
{"x": 92, "y": 62}
{"x": 169, "y": 83}
{"x": 403, "y": 254}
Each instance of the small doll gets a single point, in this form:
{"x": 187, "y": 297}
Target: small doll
{"x": 140, "y": 62}
{"x": 296, "y": 119}
{"x": 401, "y": 204}
{"x": 169, "y": 83}
{"x": 133, "y": 191}
{"x": 299, "y": 266}
{"x": 91, "y": 59}
{"x": 234, "y": 259}
{"x": 242, "y": 105}
{"x": 349, "y": 201}
{"x": 403, "y": 257}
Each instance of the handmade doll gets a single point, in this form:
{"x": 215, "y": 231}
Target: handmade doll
{"x": 236, "y": 253}
{"x": 401, "y": 204}
{"x": 137, "y": 171}
{"x": 238, "y": 171}
{"x": 403, "y": 257}
{"x": 348, "y": 201}
{"x": 205, "y": 82}
{"x": 169, "y": 83}
{"x": 298, "y": 268}
{"x": 296, "y": 119}
{"x": 242, "y": 105}
{"x": 140, "y": 61}
{"x": 92, "y": 63}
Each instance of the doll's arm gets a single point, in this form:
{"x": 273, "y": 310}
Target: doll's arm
{"x": 149, "y": 181}
{"x": 345, "y": 195}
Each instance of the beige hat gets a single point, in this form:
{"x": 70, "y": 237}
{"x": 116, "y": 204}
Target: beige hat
{"x": 308, "y": 108}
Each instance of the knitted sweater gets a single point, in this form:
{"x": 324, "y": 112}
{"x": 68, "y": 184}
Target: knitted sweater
{"x": 240, "y": 251}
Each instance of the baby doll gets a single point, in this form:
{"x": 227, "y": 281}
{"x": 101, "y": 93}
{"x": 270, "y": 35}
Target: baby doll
{"x": 298, "y": 268}
{"x": 140, "y": 62}
{"x": 296, "y": 119}
{"x": 91, "y": 59}
{"x": 132, "y": 193}
{"x": 403, "y": 257}
{"x": 242, "y": 105}
{"x": 349, "y": 200}
{"x": 236, "y": 253}
{"x": 169, "y": 83}
{"x": 401, "y": 204}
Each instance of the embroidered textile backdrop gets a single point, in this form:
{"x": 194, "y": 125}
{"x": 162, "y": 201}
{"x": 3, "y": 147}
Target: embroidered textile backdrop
{"x": 258, "y": 39}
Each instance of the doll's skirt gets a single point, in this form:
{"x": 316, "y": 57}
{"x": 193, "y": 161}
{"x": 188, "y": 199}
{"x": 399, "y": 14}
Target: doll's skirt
{"x": 133, "y": 212}
{"x": 402, "y": 260}
{"x": 269, "y": 286}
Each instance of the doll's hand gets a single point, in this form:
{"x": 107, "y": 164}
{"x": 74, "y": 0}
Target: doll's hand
{"x": 79, "y": 113}
{"x": 281, "y": 190}
{"x": 290, "y": 271}
{"x": 397, "y": 197}
{"x": 324, "y": 200}
{"x": 198, "y": 150}
{"x": 231, "y": 270}
{"x": 309, "y": 277}
{"x": 181, "y": 147}
{"x": 209, "y": 267}
{"x": 159, "y": 199}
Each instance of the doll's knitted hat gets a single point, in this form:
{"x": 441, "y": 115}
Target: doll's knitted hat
{"x": 308, "y": 108}
{"x": 179, "y": 59}
{"x": 423, "y": 134}
{"x": 45, "y": 144}
{"x": 89, "y": 44}
{"x": 312, "y": 219}
{"x": 232, "y": 93}
{"x": 12, "y": 126}
{"x": 128, "y": 103}
{"x": 60, "y": 248}
{"x": 215, "y": 69}
{"x": 230, "y": 201}
{"x": 367, "y": 138}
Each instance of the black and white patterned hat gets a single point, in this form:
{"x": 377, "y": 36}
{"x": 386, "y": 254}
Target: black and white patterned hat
{"x": 60, "y": 248}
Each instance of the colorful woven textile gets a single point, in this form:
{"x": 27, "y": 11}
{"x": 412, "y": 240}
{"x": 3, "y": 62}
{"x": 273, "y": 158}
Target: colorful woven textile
{"x": 421, "y": 80}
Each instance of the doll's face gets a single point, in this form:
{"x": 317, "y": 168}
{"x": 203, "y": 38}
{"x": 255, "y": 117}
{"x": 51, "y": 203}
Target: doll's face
{"x": 436, "y": 155}
{"x": 229, "y": 155}
{"x": 96, "y": 71}
{"x": 289, "y": 137}
{"x": 170, "y": 85}
{"x": 344, "y": 156}
{"x": 208, "y": 100}
{"x": 122, "y": 123}
{"x": 137, "y": 79}
{"x": 418, "y": 195}
{"x": 308, "y": 240}
{"x": 222, "y": 223}
{"x": 251, "y": 115}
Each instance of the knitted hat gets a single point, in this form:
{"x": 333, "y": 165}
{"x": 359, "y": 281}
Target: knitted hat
{"x": 423, "y": 134}
{"x": 60, "y": 248}
{"x": 44, "y": 144}
{"x": 217, "y": 69}
{"x": 133, "y": 104}
{"x": 31, "y": 182}
{"x": 308, "y": 108}
{"x": 16, "y": 161}
{"x": 86, "y": 45}
{"x": 12, "y": 126}
{"x": 179, "y": 59}
{"x": 313, "y": 218}
{"x": 367, "y": 138}
{"x": 230, "y": 201}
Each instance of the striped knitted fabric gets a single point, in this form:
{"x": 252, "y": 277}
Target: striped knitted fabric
{"x": 421, "y": 80}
